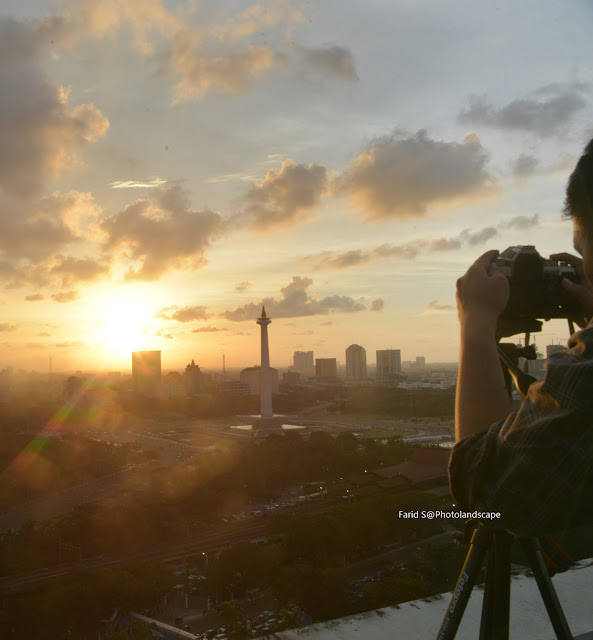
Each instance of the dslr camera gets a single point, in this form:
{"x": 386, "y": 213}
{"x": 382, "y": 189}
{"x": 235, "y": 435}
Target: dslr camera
{"x": 536, "y": 291}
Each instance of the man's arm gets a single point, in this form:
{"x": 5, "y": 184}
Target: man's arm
{"x": 482, "y": 398}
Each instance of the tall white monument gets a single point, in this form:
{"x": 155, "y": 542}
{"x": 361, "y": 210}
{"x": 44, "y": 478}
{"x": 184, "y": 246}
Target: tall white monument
{"x": 265, "y": 389}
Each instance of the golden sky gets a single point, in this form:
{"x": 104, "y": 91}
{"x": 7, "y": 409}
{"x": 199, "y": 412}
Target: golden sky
{"x": 168, "y": 167}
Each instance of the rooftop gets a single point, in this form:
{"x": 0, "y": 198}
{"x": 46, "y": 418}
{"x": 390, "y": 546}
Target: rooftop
{"x": 421, "y": 619}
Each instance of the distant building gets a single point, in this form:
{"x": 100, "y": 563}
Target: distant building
{"x": 252, "y": 377}
{"x": 326, "y": 368}
{"x": 554, "y": 348}
{"x": 194, "y": 382}
{"x": 420, "y": 362}
{"x": 172, "y": 385}
{"x": 389, "y": 363}
{"x": 303, "y": 363}
{"x": 146, "y": 372}
{"x": 356, "y": 362}
{"x": 234, "y": 388}
{"x": 291, "y": 378}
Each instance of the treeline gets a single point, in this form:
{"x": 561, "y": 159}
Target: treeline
{"x": 78, "y": 608}
{"x": 179, "y": 499}
{"x": 308, "y": 567}
{"x": 38, "y": 465}
{"x": 394, "y": 401}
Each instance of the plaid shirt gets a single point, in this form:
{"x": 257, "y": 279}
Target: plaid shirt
{"x": 536, "y": 467}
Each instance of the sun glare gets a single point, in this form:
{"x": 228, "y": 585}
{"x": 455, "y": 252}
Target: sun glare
{"x": 124, "y": 323}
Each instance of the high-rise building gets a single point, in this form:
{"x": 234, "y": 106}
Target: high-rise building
{"x": 356, "y": 362}
{"x": 420, "y": 362}
{"x": 172, "y": 385}
{"x": 146, "y": 372}
{"x": 389, "y": 363}
{"x": 554, "y": 348}
{"x": 303, "y": 363}
{"x": 326, "y": 368}
{"x": 252, "y": 376}
{"x": 193, "y": 379}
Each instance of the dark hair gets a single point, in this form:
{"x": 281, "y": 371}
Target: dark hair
{"x": 578, "y": 204}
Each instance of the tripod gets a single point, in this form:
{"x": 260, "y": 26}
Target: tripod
{"x": 495, "y": 608}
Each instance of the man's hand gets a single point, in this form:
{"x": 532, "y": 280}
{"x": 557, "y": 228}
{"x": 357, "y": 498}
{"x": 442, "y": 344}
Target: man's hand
{"x": 481, "y": 397}
{"x": 583, "y": 292}
{"x": 482, "y": 293}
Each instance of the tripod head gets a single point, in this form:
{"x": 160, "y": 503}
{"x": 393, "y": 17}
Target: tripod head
{"x": 509, "y": 353}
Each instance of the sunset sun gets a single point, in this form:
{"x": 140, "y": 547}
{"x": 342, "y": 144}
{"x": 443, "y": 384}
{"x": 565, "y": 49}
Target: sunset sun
{"x": 124, "y": 323}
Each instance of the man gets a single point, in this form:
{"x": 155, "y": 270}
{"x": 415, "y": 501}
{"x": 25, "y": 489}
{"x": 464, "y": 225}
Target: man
{"x": 533, "y": 465}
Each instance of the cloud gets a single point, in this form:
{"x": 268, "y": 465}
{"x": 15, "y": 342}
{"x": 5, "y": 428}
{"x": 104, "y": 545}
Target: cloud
{"x": 161, "y": 235}
{"x": 524, "y": 166}
{"x": 434, "y": 306}
{"x": 358, "y": 257}
{"x": 243, "y": 177}
{"x": 133, "y": 184}
{"x": 73, "y": 344}
{"x": 41, "y": 133}
{"x": 74, "y": 270}
{"x": 163, "y": 334}
{"x": 201, "y": 71}
{"x": 284, "y": 198}
{"x": 35, "y": 297}
{"x": 5, "y": 326}
{"x": 547, "y": 112}
{"x": 242, "y": 286}
{"x": 407, "y": 251}
{"x": 65, "y": 296}
{"x": 295, "y": 301}
{"x": 208, "y": 329}
{"x": 402, "y": 177}
{"x": 202, "y": 49}
{"x": 329, "y": 60}
{"x": 44, "y": 334}
{"x": 38, "y": 227}
{"x": 522, "y": 222}
{"x": 445, "y": 244}
{"x": 183, "y": 314}
{"x": 377, "y": 305}
{"x": 473, "y": 238}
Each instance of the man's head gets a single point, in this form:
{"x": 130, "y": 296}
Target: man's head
{"x": 579, "y": 206}
{"x": 579, "y": 191}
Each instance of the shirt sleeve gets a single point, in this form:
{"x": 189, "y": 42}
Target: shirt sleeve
{"x": 535, "y": 466}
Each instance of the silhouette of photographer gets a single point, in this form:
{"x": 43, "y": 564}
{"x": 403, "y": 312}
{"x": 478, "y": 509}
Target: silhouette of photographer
{"x": 534, "y": 464}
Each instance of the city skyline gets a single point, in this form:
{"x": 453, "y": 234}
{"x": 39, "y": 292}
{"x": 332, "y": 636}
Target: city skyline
{"x": 168, "y": 168}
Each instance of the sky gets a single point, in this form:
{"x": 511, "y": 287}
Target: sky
{"x": 166, "y": 168}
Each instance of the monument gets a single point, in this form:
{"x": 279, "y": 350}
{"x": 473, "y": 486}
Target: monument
{"x": 266, "y": 422}
{"x": 265, "y": 387}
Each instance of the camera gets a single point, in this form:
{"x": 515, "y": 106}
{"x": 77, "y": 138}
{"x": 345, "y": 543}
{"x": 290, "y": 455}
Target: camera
{"x": 535, "y": 288}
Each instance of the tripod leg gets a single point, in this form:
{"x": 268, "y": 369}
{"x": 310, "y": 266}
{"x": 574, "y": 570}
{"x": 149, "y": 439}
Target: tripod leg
{"x": 465, "y": 583}
{"x": 546, "y": 588}
{"x": 497, "y": 589}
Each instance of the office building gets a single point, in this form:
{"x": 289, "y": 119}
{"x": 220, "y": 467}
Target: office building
{"x": 326, "y": 368}
{"x": 389, "y": 363}
{"x": 146, "y": 372}
{"x": 172, "y": 385}
{"x": 356, "y": 362}
{"x": 194, "y": 382}
{"x": 252, "y": 376}
{"x": 303, "y": 363}
{"x": 554, "y": 348}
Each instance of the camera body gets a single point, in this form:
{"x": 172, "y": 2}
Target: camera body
{"x": 535, "y": 287}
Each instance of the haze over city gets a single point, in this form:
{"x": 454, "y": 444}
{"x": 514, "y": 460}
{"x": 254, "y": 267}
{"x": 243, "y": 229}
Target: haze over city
{"x": 167, "y": 167}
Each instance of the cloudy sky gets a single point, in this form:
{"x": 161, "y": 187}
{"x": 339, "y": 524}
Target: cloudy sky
{"x": 168, "y": 167}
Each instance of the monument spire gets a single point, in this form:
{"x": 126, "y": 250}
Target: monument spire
{"x": 265, "y": 385}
